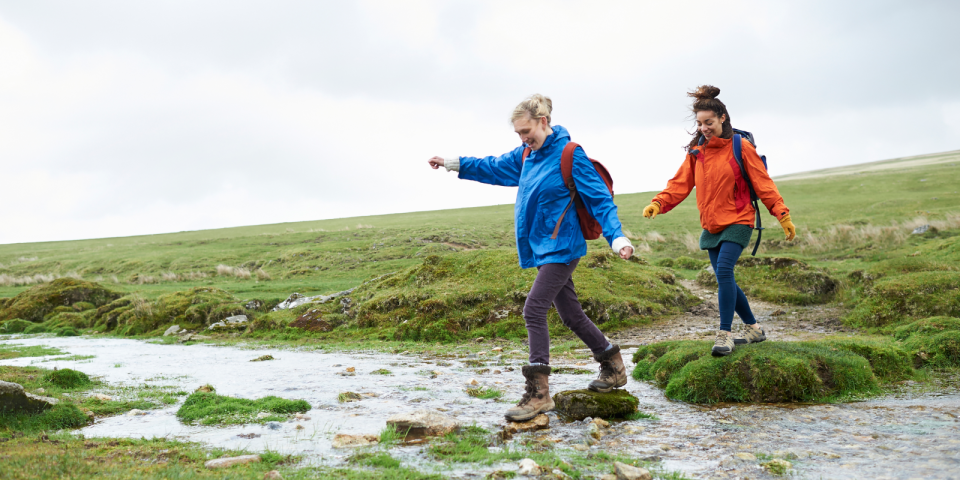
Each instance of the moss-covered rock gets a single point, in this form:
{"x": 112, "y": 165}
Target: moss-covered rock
{"x": 36, "y": 328}
{"x": 903, "y": 298}
{"x": 770, "y": 371}
{"x": 83, "y": 306}
{"x": 932, "y": 342}
{"x": 580, "y": 404}
{"x": 38, "y": 301}
{"x": 17, "y": 325}
{"x": 482, "y": 293}
{"x": 779, "y": 280}
{"x": 67, "y": 378}
{"x": 688, "y": 263}
{"x": 193, "y": 308}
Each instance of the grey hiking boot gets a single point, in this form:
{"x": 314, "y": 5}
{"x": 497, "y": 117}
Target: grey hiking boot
{"x": 752, "y": 335}
{"x": 723, "y": 346}
{"x": 537, "y": 399}
{"x": 612, "y": 372}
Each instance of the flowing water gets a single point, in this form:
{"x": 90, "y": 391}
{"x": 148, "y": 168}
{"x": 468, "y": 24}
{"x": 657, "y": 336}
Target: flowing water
{"x": 901, "y": 437}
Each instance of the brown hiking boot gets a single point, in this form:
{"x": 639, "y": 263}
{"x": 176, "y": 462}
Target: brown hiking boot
{"x": 537, "y": 399}
{"x": 723, "y": 345}
{"x": 613, "y": 374}
{"x": 752, "y": 335}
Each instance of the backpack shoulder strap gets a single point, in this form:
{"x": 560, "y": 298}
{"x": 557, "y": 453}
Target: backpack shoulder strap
{"x": 526, "y": 153}
{"x": 738, "y": 149}
{"x": 566, "y": 165}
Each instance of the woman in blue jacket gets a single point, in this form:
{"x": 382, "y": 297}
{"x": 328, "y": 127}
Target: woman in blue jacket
{"x": 541, "y": 199}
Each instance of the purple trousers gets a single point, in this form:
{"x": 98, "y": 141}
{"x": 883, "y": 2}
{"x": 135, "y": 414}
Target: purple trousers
{"x": 554, "y": 286}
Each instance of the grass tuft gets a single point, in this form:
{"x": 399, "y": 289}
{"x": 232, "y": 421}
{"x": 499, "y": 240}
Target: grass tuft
{"x": 208, "y": 408}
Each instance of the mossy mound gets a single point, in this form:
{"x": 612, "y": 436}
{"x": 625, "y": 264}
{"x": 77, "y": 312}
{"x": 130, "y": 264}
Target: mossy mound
{"x": 35, "y": 303}
{"x": 933, "y": 342}
{"x": 17, "y": 325}
{"x": 580, "y": 404}
{"x": 190, "y": 309}
{"x": 779, "y": 280}
{"x": 770, "y": 371}
{"x": 482, "y": 293}
{"x": 35, "y": 328}
{"x": 67, "y": 378}
{"x": 906, "y": 297}
{"x": 61, "y": 416}
{"x": 208, "y": 408}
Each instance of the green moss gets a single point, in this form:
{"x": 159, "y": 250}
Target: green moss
{"x": 896, "y": 299}
{"x": 688, "y": 263}
{"x": 481, "y": 293}
{"x": 40, "y": 300}
{"x": 67, "y": 332}
{"x": 17, "y": 325}
{"x": 771, "y": 371}
{"x": 67, "y": 379}
{"x": 61, "y": 416}
{"x": 35, "y": 328}
{"x": 779, "y": 280}
{"x": 580, "y": 404}
{"x": 208, "y": 408}
{"x": 932, "y": 342}
{"x": 83, "y": 306}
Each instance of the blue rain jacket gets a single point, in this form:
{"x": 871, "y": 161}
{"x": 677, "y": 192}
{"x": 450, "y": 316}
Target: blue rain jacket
{"x": 542, "y": 197}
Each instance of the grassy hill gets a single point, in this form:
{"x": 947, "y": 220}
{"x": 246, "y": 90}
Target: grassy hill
{"x": 837, "y": 212}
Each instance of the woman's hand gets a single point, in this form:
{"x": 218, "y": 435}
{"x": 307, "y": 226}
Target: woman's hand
{"x": 652, "y": 210}
{"x": 626, "y": 253}
{"x": 788, "y": 228}
{"x": 435, "y": 162}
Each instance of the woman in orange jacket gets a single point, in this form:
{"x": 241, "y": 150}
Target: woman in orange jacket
{"x": 723, "y": 199}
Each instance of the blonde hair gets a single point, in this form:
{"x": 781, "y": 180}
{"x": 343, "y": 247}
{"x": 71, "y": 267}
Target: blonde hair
{"x": 536, "y": 105}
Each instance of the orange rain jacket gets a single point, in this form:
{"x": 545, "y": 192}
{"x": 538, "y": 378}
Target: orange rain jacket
{"x": 722, "y": 194}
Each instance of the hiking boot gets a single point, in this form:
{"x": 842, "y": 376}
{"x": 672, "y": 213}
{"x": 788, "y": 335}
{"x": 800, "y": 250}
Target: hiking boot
{"x": 753, "y": 335}
{"x": 537, "y": 399}
{"x": 723, "y": 346}
{"x": 612, "y": 372}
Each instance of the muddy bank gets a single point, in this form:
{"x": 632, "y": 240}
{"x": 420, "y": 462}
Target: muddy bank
{"x": 915, "y": 435}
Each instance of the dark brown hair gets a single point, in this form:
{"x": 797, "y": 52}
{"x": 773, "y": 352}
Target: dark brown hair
{"x": 707, "y": 101}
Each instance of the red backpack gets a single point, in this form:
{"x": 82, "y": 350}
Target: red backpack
{"x": 588, "y": 225}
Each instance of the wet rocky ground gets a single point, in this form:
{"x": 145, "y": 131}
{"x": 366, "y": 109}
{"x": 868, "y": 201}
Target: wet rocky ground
{"x": 911, "y": 434}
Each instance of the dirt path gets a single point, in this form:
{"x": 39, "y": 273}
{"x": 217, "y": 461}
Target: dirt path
{"x": 781, "y": 322}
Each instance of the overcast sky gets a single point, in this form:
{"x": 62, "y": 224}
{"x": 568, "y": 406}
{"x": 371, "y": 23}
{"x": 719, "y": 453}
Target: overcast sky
{"x": 120, "y": 118}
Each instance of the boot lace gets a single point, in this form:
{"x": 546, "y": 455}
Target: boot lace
{"x": 530, "y": 393}
{"x": 721, "y": 339}
{"x": 606, "y": 370}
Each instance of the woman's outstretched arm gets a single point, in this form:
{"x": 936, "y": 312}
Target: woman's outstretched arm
{"x": 678, "y": 187}
{"x": 503, "y": 170}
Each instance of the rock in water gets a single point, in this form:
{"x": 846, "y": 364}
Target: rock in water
{"x": 423, "y": 423}
{"x": 580, "y": 404}
{"x": 629, "y": 472}
{"x": 262, "y": 358}
{"x": 537, "y": 423}
{"x": 350, "y": 441}
{"x": 529, "y": 467}
{"x": 14, "y": 399}
{"x": 231, "y": 461}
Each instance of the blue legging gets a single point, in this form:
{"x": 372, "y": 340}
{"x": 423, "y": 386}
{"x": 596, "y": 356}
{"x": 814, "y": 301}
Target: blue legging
{"x": 729, "y": 295}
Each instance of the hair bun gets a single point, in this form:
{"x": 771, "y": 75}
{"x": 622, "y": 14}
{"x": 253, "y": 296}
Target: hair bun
{"x": 705, "y": 92}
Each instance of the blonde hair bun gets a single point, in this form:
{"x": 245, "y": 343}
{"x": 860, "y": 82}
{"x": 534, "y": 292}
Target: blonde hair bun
{"x": 536, "y": 105}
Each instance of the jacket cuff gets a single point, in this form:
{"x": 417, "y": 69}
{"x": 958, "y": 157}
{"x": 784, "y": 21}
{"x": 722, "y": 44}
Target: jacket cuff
{"x": 452, "y": 164}
{"x": 619, "y": 243}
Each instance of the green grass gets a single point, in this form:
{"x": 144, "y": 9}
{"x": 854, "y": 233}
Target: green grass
{"x": 485, "y": 393}
{"x": 13, "y": 350}
{"x": 208, "y": 408}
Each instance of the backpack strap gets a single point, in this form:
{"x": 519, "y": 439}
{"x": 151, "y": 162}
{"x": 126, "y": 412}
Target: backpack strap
{"x": 738, "y": 156}
{"x": 526, "y": 153}
{"x": 566, "y": 171}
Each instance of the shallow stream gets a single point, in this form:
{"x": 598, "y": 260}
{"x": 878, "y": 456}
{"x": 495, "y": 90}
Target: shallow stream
{"x": 901, "y": 437}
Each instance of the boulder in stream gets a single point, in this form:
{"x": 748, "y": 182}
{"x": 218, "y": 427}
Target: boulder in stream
{"x": 342, "y": 440}
{"x": 423, "y": 423}
{"x": 536, "y": 423}
{"x": 14, "y": 399}
{"x": 629, "y": 472}
{"x": 580, "y": 404}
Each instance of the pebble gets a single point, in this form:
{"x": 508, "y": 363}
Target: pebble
{"x": 473, "y": 381}
{"x": 272, "y": 475}
{"x": 136, "y": 412}
{"x": 273, "y": 425}
{"x": 529, "y": 467}
{"x": 497, "y": 349}
{"x": 746, "y": 456}
{"x": 629, "y": 472}
{"x": 351, "y": 369}
{"x": 102, "y": 397}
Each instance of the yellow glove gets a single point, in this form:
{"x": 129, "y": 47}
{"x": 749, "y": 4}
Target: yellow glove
{"x": 652, "y": 210}
{"x": 788, "y": 228}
